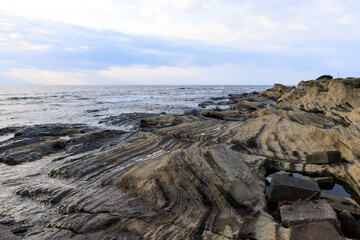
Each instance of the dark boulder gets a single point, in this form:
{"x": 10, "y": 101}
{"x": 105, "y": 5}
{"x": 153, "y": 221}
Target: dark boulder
{"x": 194, "y": 112}
{"x": 291, "y": 189}
{"x": 326, "y": 183}
{"x": 349, "y": 225}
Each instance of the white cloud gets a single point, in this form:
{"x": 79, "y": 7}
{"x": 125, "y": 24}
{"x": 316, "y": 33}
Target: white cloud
{"x": 265, "y": 21}
{"x": 253, "y": 24}
{"x": 223, "y": 74}
{"x": 297, "y": 26}
{"x": 7, "y": 61}
{"x": 15, "y": 35}
{"x": 17, "y": 41}
{"x": 346, "y": 20}
{"x": 77, "y": 48}
{"x": 43, "y": 77}
{"x": 145, "y": 75}
{"x": 315, "y": 31}
{"x": 38, "y": 30}
{"x": 148, "y": 75}
{"x": 24, "y": 45}
{"x": 6, "y": 25}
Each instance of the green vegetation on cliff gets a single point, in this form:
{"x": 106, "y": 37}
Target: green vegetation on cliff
{"x": 320, "y": 82}
{"x": 325, "y": 77}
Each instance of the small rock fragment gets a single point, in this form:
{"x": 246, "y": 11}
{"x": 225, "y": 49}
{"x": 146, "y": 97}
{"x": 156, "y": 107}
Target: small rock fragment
{"x": 290, "y": 174}
{"x": 326, "y": 183}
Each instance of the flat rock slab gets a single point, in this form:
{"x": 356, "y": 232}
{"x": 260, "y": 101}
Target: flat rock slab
{"x": 5, "y": 234}
{"x": 339, "y": 203}
{"x": 291, "y": 189}
{"x": 306, "y": 212}
{"x": 324, "y": 157}
{"x": 314, "y": 231}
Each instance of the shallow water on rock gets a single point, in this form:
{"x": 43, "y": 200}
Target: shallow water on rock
{"x": 12, "y": 178}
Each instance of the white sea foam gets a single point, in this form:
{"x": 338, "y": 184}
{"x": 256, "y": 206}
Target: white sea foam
{"x": 6, "y": 137}
{"x": 66, "y": 138}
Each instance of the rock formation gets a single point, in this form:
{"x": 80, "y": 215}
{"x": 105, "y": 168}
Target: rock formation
{"x": 177, "y": 177}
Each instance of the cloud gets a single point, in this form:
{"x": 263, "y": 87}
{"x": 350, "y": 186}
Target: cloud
{"x": 163, "y": 75}
{"x": 43, "y": 77}
{"x": 177, "y": 42}
{"x": 346, "y": 20}
{"x": 6, "y": 25}
{"x": 18, "y": 41}
{"x": 248, "y": 74}
{"x": 77, "y": 48}
{"x": 23, "y": 45}
{"x": 157, "y": 75}
{"x": 7, "y": 61}
{"x": 243, "y": 24}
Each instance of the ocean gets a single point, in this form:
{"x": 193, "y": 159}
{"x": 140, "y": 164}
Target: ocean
{"x": 29, "y": 105}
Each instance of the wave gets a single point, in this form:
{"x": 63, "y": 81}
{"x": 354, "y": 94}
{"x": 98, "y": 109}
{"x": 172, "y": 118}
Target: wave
{"x": 23, "y": 98}
{"x": 210, "y": 91}
{"x": 129, "y": 100}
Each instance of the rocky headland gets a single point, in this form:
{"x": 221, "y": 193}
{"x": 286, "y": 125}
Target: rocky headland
{"x": 191, "y": 176}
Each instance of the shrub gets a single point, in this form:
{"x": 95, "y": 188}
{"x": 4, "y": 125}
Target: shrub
{"x": 309, "y": 83}
{"x": 325, "y": 77}
{"x": 354, "y": 82}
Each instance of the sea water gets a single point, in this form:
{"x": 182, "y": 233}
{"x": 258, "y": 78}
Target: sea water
{"x": 28, "y": 105}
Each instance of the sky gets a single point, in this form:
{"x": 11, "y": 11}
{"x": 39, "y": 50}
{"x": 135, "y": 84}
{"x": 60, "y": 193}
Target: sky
{"x": 181, "y": 42}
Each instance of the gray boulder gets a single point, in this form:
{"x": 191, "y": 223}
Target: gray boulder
{"x": 291, "y": 189}
{"x": 306, "y": 212}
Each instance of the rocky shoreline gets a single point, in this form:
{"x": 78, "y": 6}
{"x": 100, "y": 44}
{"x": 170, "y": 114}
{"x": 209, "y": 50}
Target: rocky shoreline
{"x": 201, "y": 175}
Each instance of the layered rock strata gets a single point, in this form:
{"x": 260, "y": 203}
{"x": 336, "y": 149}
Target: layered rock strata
{"x": 177, "y": 177}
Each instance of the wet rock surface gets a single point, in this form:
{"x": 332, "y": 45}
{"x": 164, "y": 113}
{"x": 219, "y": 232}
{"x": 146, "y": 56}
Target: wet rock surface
{"x": 34, "y": 142}
{"x": 126, "y": 119}
{"x": 176, "y": 177}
